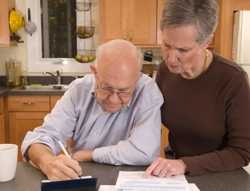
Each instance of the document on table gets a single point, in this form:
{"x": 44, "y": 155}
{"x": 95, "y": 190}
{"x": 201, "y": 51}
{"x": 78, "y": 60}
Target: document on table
{"x": 137, "y": 181}
{"x": 192, "y": 187}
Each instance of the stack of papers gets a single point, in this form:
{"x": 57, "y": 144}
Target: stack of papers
{"x": 137, "y": 181}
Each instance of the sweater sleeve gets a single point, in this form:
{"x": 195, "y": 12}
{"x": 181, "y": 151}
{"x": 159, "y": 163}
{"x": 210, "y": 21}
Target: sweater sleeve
{"x": 235, "y": 152}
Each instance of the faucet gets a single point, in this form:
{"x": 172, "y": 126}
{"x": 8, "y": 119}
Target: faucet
{"x": 57, "y": 75}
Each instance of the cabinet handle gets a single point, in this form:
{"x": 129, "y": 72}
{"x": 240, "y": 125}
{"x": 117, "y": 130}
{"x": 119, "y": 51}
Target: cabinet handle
{"x": 28, "y": 103}
{"x": 125, "y": 38}
{"x": 130, "y": 36}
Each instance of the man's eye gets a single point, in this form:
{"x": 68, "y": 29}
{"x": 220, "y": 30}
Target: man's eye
{"x": 124, "y": 94}
{"x": 183, "y": 50}
{"x": 167, "y": 46}
{"x": 106, "y": 88}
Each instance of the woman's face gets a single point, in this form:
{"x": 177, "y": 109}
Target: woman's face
{"x": 182, "y": 54}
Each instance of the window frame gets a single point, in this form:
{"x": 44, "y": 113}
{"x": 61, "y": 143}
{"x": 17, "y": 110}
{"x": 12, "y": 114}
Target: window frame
{"x": 35, "y": 62}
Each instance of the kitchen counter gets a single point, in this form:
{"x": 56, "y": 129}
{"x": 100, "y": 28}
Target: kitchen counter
{"x": 38, "y": 91}
{"x": 3, "y": 91}
{"x": 238, "y": 180}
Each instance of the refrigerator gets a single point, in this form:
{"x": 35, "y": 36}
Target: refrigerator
{"x": 241, "y": 39}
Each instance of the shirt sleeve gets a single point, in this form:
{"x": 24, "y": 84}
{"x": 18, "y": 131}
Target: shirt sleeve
{"x": 143, "y": 144}
{"x": 236, "y": 150}
{"x": 57, "y": 125}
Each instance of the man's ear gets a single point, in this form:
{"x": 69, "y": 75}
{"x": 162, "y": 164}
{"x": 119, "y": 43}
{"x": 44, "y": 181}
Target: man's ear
{"x": 93, "y": 68}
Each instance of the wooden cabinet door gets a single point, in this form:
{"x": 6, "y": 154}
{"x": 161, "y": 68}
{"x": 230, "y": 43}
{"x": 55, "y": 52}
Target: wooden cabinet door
{"x": 2, "y": 124}
{"x": 2, "y": 129}
{"x": 53, "y": 100}
{"x": 20, "y": 123}
{"x": 164, "y": 140}
{"x": 110, "y": 20}
{"x": 142, "y": 19}
{"x": 28, "y": 103}
{"x": 6, "y": 5}
{"x": 129, "y": 19}
{"x": 160, "y": 7}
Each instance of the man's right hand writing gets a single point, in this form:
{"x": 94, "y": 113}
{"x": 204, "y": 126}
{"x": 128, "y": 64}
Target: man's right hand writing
{"x": 61, "y": 167}
{"x": 58, "y": 167}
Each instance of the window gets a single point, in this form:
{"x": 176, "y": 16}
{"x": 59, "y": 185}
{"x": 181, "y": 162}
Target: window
{"x": 44, "y": 55}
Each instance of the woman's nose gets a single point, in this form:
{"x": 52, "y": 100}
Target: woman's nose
{"x": 171, "y": 57}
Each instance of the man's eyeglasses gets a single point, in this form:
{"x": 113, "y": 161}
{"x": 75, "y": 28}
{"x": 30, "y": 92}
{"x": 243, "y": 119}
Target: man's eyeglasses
{"x": 105, "y": 92}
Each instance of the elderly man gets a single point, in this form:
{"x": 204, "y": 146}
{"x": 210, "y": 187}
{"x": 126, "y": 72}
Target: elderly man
{"x": 112, "y": 116}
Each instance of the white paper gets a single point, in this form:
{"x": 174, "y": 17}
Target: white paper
{"x": 192, "y": 187}
{"x": 137, "y": 181}
{"x": 107, "y": 188}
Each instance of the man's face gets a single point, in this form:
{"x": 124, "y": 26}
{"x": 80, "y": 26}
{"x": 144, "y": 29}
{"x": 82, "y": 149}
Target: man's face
{"x": 182, "y": 54}
{"x": 113, "y": 91}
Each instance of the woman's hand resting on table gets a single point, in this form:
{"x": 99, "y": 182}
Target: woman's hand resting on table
{"x": 166, "y": 167}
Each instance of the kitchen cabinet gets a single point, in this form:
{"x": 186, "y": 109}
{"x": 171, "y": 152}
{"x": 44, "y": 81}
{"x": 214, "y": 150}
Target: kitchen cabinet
{"x": 135, "y": 21}
{"x": 20, "y": 123}
{"x": 25, "y": 113}
{"x": 6, "y": 5}
{"x": 53, "y": 100}
{"x": 2, "y": 124}
{"x": 164, "y": 140}
{"x": 223, "y": 42}
{"x": 160, "y": 6}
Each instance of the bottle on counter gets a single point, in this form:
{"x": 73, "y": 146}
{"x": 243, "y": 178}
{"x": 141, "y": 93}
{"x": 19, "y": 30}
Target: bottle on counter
{"x": 17, "y": 78}
{"x": 13, "y": 72}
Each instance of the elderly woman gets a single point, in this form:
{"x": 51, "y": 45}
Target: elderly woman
{"x": 206, "y": 97}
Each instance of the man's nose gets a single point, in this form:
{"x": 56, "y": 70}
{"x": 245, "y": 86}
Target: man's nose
{"x": 114, "y": 98}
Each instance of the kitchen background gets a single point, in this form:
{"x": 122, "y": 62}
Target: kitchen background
{"x": 137, "y": 21}
{"x": 134, "y": 20}
{"x": 40, "y": 52}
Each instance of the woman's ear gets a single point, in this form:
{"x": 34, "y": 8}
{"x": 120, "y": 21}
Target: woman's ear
{"x": 209, "y": 40}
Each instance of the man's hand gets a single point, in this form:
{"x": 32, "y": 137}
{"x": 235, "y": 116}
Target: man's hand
{"x": 61, "y": 167}
{"x": 166, "y": 167}
{"x": 83, "y": 155}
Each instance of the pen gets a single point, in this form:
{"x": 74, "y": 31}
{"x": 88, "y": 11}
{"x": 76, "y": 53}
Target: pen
{"x": 63, "y": 149}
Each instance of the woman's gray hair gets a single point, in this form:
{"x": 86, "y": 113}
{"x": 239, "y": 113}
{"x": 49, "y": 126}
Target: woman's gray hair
{"x": 201, "y": 13}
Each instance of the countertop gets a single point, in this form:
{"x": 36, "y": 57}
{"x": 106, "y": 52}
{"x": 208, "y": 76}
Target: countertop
{"x": 19, "y": 91}
{"x": 3, "y": 91}
{"x": 29, "y": 178}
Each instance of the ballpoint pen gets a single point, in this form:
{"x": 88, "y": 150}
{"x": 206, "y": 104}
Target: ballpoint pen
{"x": 63, "y": 149}
{"x": 67, "y": 154}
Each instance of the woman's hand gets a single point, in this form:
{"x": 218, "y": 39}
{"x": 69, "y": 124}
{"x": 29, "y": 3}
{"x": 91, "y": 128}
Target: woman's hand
{"x": 166, "y": 167}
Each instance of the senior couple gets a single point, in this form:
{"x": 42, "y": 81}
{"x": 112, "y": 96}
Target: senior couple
{"x": 114, "y": 115}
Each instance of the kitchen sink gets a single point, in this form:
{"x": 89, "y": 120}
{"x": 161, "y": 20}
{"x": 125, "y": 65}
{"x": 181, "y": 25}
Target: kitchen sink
{"x": 38, "y": 87}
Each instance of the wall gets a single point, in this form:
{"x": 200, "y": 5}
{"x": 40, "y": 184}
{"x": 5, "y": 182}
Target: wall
{"x": 18, "y": 52}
